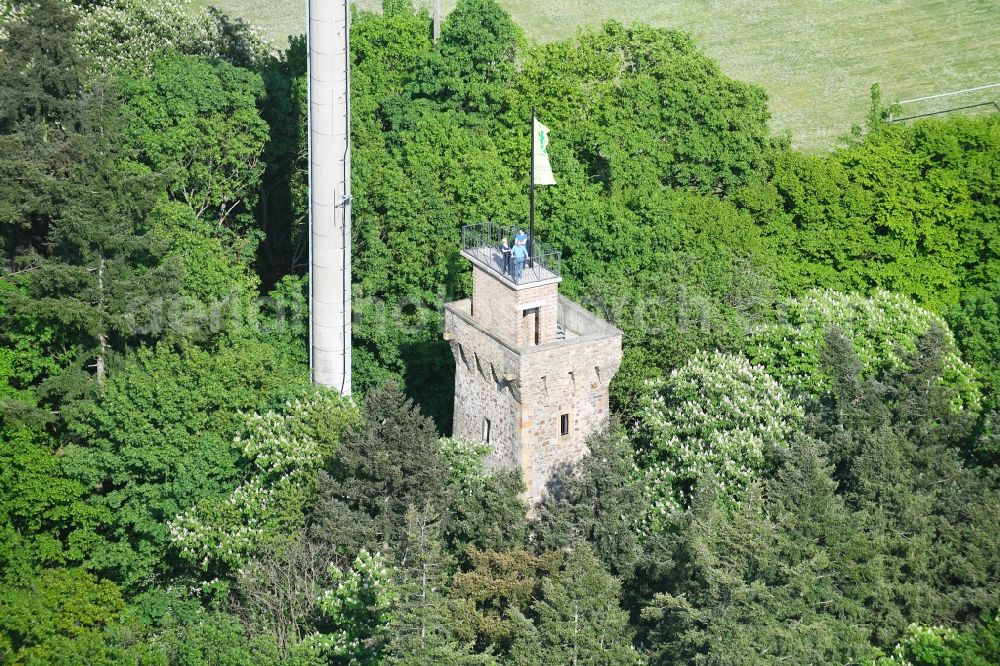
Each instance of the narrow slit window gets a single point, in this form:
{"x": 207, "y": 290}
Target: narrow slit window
{"x": 487, "y": 428}
{"x": 564, "y": 425}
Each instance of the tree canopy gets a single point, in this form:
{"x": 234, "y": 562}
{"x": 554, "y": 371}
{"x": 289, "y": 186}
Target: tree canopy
{"x": 801, "y": 462}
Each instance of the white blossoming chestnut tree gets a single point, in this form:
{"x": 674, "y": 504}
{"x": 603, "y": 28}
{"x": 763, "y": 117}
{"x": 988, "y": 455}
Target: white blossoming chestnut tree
{"x": 356, "y": 612}
{"x": 883, "y": 327}
{"x": 127, "y": 33}
{"x": 714, "y": 418}
{"x": 284, "y": 451}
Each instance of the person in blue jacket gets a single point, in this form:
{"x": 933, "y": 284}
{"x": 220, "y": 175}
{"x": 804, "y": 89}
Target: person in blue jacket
{"x": 520, "y": 256}
{"x": 521, "y": 238}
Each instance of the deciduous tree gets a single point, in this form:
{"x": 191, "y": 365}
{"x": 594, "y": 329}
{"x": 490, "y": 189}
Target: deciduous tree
{"x": 715, "y": 418}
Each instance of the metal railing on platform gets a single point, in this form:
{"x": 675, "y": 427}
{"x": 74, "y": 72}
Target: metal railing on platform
{"x": 483, "y": 242}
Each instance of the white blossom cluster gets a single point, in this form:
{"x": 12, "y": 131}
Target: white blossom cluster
{"x": 10, "y": 12}
{"x": 918, "y": 635}
{"x": 465, "y": 461}
{"x": 123, "y": 33}
{"x": 714, "y": 417}
{"x": 881, "y": 327}
{"x": 358, "y": 607}
{"x": 284, "y": 458}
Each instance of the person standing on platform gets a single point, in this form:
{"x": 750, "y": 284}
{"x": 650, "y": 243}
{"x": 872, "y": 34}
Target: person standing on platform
{"x": 521, "y": 238}
{"x": 505, "y": 256}
{"x": 520, "y": 256}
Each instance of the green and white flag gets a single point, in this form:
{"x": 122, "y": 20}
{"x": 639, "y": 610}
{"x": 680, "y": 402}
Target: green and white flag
{"x": 540, "y": 146}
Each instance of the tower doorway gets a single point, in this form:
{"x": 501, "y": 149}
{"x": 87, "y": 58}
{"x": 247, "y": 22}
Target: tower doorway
{"x": 531, "y": 331}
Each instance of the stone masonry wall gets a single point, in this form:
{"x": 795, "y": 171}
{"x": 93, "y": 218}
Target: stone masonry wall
{"x": 573, "y": 379}
{"x": 480, "y": 361}
{"x": 499, "y": 306}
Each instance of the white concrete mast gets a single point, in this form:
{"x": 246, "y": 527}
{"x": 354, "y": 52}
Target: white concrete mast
{"x": 329, "y": 194}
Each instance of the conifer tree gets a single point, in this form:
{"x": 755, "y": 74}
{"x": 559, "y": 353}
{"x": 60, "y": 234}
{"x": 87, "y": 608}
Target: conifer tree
{"x": 782, "y": 579}
{"x": 496, "y": 591}
{"x": 98, "y": 269}
{"x": 578, "y": 618}
{"x": 826, "y": 567}
{"x": 379, "y": 469}
{"x": 896, "y": 444}
{"x": 40, "y": 99}
{"x": 85, "y": 264}
{"x": 40, "y": 67}
{"x": 922, "y": 403}
{"x": 599, "y": 500}
{"x": 425, "y": 627}
{"x": 486, "y": 509}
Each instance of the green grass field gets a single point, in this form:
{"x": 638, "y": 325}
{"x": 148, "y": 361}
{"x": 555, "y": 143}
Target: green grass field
{"x": 817, "y": 59}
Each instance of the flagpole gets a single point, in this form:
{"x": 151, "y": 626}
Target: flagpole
{"x": 531, "y": 192}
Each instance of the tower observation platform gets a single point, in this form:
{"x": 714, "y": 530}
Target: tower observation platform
{"x": 481, "y": 245}
{"x": 532, "y": 367}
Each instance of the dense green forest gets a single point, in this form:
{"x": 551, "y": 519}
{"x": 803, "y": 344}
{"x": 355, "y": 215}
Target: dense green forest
{"x": 803, "y": 465}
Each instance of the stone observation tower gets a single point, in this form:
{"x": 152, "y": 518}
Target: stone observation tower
{"x": 532, "y": 367}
